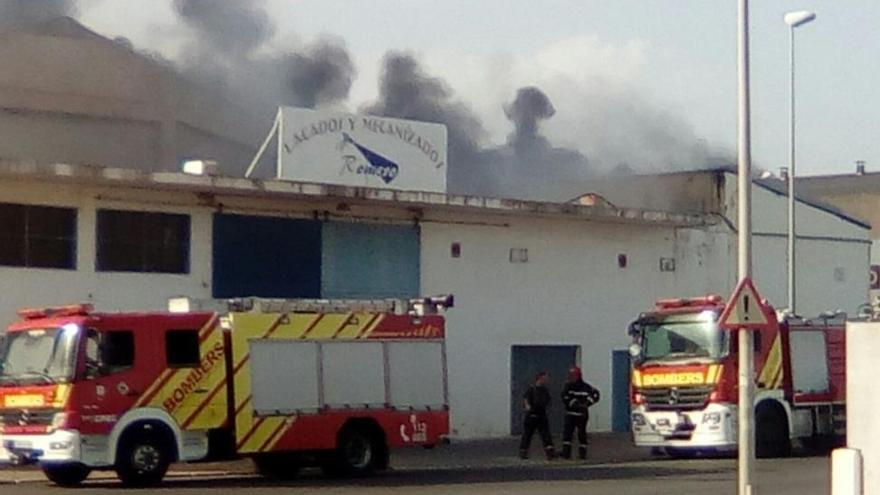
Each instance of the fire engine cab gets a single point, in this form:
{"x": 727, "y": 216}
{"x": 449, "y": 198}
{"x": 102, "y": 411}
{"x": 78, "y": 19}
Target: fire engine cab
{"x": 286, "y": 382}
{"x": 684, "y": 379}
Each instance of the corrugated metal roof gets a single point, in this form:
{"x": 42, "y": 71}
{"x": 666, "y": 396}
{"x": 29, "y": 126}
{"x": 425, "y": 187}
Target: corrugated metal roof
{"x": 781, "y": 188}
{"x": 819, "y": 185}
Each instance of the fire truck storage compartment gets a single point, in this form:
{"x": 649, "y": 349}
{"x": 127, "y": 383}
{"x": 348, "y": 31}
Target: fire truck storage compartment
{"x": 354, "y": 374}
{"x": 302, "y": 376}
{"x": 809, "y": 362}
{"x": 284, "y": 376}
{"x": 417, "y": 374}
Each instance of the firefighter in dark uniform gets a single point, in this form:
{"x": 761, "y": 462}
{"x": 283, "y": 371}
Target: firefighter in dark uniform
{"x": 577, "y": 396}
{"x": 535, "y": 402}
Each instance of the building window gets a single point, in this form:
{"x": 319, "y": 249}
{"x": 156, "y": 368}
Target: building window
{"x": 37, "y": 236}
{"x": 182, "y": 348}
{"x": 134, "y": 241}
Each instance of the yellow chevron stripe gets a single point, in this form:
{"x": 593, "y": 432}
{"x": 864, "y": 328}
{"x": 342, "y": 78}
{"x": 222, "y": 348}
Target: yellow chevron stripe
{"x": 289, "y": 423}
{"x": 777, "y": 381}
{"x": 62, "y": 393}
{"x": 183, "y": 400}
{"x": 213, "y": 407}
{"x": 356, "y": 324}
{"x": 772, "y": 369}
{"x": 710, "y": 373}
{"x": 261, "y": 435}
{"x": 167, "y": 372}
{"x": 328, "y": 326}
{"x": 372, "y": 327}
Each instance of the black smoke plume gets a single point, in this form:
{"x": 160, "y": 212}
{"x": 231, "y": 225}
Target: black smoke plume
{"x": 33, "y": 11}
{"x": 521, "y": 168}
{"x": 530, "y": 107}
{"x": 320, "y": 74}
{"x": 233, "y": 28}
{"x": 534, "y": 155}
{"x": 231, "y": 51}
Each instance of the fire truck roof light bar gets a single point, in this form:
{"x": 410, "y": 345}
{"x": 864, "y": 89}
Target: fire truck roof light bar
{"x": 710, "y": 300}
{"x": 56, "y": 311}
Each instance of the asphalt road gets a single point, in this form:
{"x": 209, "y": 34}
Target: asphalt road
{"x": 800, "y": 476}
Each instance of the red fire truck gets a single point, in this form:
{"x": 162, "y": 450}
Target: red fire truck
{"x": 684, "y": 380}
{"x": 289, "y": 383}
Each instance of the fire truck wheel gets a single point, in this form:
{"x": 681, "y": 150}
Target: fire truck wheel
{"x": 71, "y": 474}
{"x": 360, "y": 453}
{"x": 771, "y": 435}
{"x": 143, "y": 459}
{"x": 277, "y": 466}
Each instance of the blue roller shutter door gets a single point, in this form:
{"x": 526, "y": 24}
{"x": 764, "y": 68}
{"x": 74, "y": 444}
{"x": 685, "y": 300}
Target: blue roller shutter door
{"x": 370, "y": 261}
{"x": 266, "y": 257}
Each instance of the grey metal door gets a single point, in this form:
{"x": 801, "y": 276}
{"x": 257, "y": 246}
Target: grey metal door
{"x": 620, "y": 374}
{"x": 526, "y": 362}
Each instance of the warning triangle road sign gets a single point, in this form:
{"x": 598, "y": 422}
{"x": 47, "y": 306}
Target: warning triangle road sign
{"x": 745, "y": 309}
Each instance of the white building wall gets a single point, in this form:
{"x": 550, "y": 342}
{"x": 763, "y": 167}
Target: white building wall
{"x": 28, "y": 287}
{"x": 571, "y": 291}
{"x": 832, "y": 254}
{"x": 830, "y": 275}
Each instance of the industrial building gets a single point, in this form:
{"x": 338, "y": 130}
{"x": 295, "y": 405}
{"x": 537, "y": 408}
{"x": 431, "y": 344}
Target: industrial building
{"x": 857, "y": 193}
{"x": 538, "y": 285}
{"x": 70, "y": 95}
{"x": 92, "y": 134}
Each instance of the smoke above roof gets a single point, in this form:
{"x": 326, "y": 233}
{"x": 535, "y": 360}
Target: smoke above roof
{"x": 233, "y": 28}
{"x": 526, "y": 166}
{"x": 34, "y": 11}
{"x": 232, "y": 48}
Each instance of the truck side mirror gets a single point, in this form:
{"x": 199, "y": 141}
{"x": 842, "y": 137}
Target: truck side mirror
{"x": 633, "y": 329}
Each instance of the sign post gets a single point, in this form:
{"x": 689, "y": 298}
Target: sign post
{"x": 744, "y": 252}
{"x": 744, "y": 313}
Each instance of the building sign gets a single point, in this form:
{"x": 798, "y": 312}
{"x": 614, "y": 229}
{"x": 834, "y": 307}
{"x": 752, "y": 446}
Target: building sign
{"x": 362, "y": 150}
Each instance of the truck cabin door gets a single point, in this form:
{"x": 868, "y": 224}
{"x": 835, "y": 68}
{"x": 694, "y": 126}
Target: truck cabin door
{"x": 109, "y": 385}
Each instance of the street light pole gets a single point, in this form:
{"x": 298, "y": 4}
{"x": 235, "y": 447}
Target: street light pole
{"x": 793, "y": 19}
{"x": 744, "y": 255}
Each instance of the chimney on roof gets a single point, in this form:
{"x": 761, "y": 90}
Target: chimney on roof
{"x": 860, "y": 167}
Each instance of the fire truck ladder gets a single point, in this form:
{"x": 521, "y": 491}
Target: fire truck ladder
{"x": 417, "y": 307}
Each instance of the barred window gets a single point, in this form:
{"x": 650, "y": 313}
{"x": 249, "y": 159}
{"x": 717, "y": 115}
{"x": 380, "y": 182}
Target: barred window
{"x": 37, "y": 236}
{"x": 135, "y": 241}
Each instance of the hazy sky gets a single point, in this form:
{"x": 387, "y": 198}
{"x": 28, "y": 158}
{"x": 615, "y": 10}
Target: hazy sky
{"x": 677, "y": 57}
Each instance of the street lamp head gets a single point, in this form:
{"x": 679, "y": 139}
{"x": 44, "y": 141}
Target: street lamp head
{"x": 799, "y": 18}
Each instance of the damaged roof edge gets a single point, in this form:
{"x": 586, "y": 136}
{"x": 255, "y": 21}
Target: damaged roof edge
{"x": 235, "y": 186}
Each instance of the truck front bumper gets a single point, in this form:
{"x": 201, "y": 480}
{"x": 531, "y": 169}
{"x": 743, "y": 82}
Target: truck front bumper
{"x": 711, "y": 428}
{"x": 59, "y": 446}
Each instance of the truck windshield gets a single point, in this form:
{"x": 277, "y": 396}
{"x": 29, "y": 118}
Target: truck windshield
{"x": 681, "y": 337}
{"x": 39, "y": 356}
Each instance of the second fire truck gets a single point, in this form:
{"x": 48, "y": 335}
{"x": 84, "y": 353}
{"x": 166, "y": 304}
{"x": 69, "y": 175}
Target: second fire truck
{"x": 684, "y": 380}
